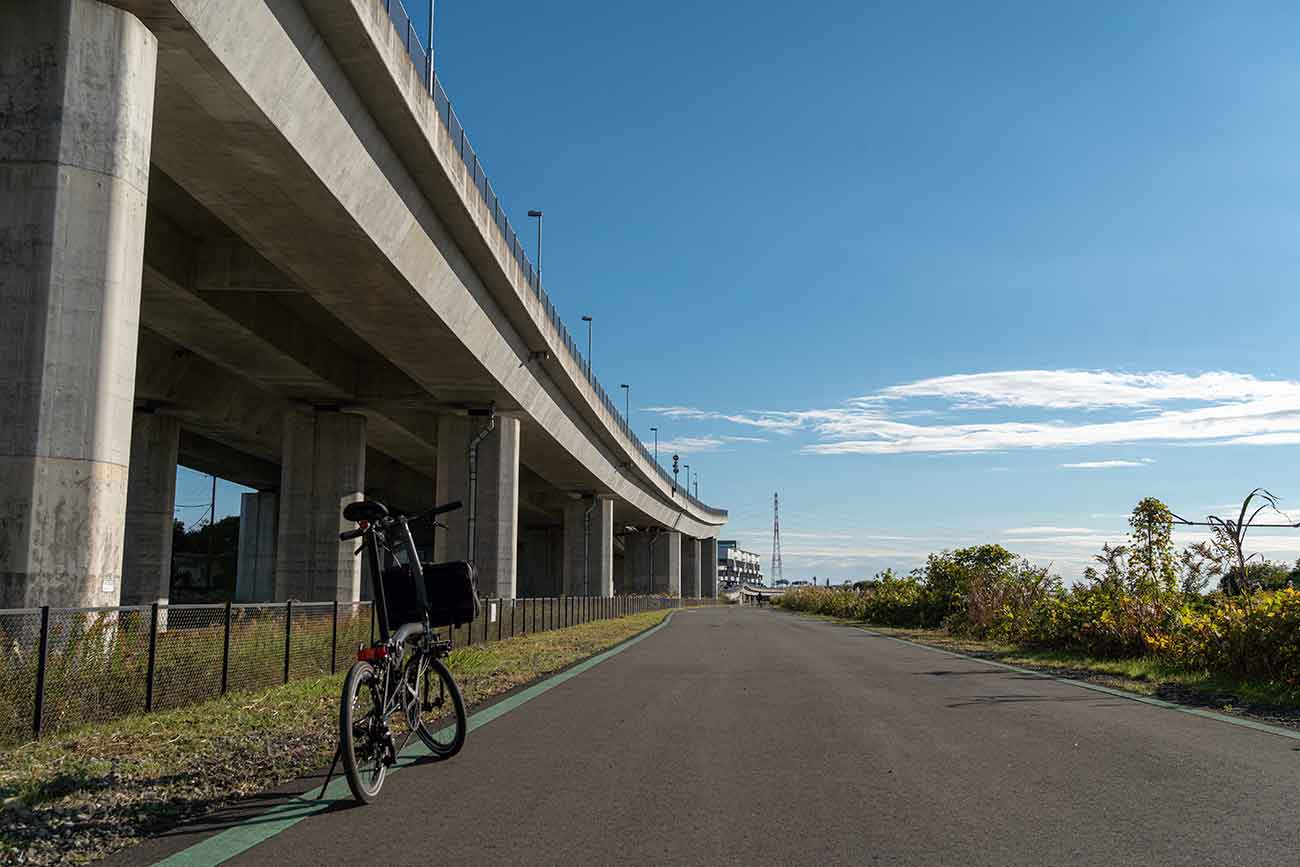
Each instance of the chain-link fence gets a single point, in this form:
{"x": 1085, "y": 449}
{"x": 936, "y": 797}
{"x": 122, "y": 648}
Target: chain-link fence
{"x": 65, "y": 667}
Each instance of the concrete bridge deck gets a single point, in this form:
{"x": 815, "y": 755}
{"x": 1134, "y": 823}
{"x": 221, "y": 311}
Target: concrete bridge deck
{"x": 243, "y": 236}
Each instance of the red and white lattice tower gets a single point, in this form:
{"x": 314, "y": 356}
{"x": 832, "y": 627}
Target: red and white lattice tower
{"x": 776, "y": 538}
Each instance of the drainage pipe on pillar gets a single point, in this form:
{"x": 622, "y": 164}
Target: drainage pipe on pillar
{"x": 470, "y": 543}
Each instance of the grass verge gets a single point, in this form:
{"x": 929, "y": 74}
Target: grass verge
{"x": 1272, "y": 702}
{"x": 78, "y": 796}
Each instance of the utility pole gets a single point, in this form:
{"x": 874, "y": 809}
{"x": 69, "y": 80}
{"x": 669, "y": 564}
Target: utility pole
{"x": 776, "y": 538}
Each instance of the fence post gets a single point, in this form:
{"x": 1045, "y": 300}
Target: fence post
{"x": 39, "y": 709}
{"x": 486, "y": 611}
{"x": 153, "y": 657}
{"x": 288, "y": 635}
{"x": 225, "y": 653}
{"x": 334, "y": 638}
{"x": 501, "y": 613}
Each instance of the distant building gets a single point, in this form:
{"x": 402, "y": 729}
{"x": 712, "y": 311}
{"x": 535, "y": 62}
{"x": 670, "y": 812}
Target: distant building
{"x": 736, "y": 567}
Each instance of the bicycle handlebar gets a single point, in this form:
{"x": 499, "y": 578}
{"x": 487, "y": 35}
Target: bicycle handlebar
{"x": 357, "y": 532}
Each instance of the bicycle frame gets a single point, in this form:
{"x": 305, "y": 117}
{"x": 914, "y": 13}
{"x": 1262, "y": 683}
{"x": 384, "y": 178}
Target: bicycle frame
{"x": 406, "y": 541}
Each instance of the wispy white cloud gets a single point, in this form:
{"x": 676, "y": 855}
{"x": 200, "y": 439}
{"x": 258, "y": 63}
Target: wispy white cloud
{"x": 1217, "y": 408}
{"x": 1090, "y": 389}
{"x": 1104, "y": 465}
{"x": 702, "y": 444}
{"x": 778, "y": 422}
{"x": 1038, "y": 531}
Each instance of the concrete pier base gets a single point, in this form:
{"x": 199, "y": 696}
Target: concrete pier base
{"x": 690, "y": 567}
{"x": 709, "y": 568}
{"x": 150, "y": 509}
{"x": 77, "y": 90}
{"x": 496, "y": 505}
{"x": 322, "y": 469}
{"x": 259, "y": 514}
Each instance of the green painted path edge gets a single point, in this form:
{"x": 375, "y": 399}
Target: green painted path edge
{"x": 1095, "y": 687}
{"x": 224, "y": 845}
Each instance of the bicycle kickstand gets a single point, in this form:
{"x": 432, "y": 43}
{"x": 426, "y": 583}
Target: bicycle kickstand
{"x": 338, "y": 753}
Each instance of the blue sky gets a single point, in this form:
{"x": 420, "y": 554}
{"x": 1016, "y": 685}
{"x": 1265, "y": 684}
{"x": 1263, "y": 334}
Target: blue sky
{"x": 907, "y": 263}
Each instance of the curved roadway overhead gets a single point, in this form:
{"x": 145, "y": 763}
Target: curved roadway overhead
{"x": 306, "y": 128}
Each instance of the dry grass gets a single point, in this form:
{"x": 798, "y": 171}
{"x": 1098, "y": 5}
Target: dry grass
{"x": 80, "y": 795}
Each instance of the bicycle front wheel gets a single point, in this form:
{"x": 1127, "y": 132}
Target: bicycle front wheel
{"x": 361, "y": 733}
{"x": 441, "y": 711}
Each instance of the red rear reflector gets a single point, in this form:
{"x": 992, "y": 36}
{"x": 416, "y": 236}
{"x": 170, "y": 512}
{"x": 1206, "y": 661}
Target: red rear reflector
{"x": 372, "y": 654}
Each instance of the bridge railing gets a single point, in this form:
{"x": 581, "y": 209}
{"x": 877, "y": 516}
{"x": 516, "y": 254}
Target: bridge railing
{"x": 422, "y": 61}
{"x": 62, "y": 668}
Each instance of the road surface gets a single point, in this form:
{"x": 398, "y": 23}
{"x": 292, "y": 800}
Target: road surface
{"x": 753, "y": 736}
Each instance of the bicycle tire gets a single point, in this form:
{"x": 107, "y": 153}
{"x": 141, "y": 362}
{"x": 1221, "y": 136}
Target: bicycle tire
{"x": 446, "y": 740}
{"x": 364, "y": 781}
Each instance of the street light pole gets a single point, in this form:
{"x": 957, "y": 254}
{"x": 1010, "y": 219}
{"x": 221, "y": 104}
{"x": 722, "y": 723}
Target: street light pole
{"x": 587, "y": 319}
{"x": 655, "y": 430}
{"x": 430, "y": 65}
{"x": 627, "y": 400}
{"x": 538, "y": 215}
{"x": 687, "y": 467}
{"x": 697, "y": 484}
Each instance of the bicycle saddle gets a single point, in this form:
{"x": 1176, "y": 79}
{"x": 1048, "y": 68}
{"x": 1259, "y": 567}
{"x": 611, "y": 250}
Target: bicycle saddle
{"x": 365, "y": 510}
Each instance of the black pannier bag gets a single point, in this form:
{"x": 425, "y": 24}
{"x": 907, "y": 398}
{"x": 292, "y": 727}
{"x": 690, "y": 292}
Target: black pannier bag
{"x": 450, "y": 587}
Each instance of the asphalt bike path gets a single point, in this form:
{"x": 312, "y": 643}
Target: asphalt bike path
{"x": 753, "y": 736}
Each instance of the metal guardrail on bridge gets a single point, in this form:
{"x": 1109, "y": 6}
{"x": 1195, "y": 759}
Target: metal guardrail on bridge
{"x": 422, "y": 60}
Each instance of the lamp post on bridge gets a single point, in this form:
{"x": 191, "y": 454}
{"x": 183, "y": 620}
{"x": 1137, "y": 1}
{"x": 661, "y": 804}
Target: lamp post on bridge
{"x": 430, "y": 64}
{"x": 627, "y": 401}
{"x": 655, "y": 431}
{"x": 587, "y": 319}
{"x": 538, "y": 216}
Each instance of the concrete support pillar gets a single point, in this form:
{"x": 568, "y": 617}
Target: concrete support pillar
{"x": 76, "y": 100}
{"x": 690, "y": 567}
{"x": 668, "y": 563}
{"x": 497, "y": 515}
{"x": 322, "y": 469}
{"x": 638, "y": 564}
{"x": 709, "y": 568}
{"x": 259, "y": 514}
{"x": 150, "y": 509}
{"x": 620, "y": 573}
{"x": 589, "y": 547}
{"x": 536, "y": 574}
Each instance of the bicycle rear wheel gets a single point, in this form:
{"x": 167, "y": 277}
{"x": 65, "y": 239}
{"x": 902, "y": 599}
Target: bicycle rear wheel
{"x": 361, "y": 730}
{"x": 441, "y": 711}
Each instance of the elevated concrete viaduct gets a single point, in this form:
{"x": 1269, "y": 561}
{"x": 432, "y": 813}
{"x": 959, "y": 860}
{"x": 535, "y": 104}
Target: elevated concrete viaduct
{"x": 241, "y": 235}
